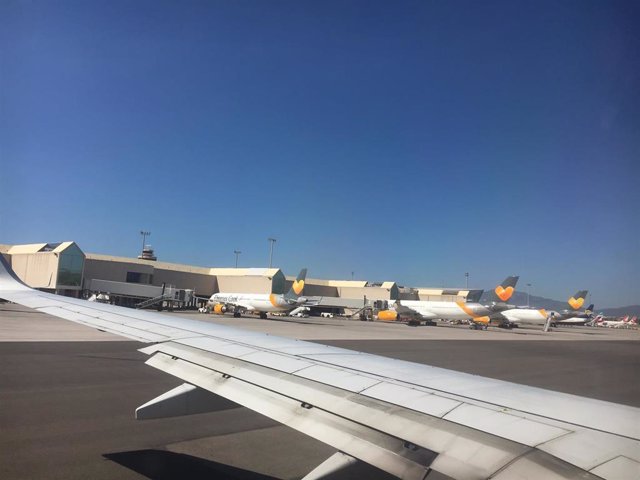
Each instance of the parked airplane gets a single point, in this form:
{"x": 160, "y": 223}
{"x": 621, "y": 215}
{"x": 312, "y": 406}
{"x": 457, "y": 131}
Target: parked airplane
{"x": 533, "y": 316}
{"x": 623, "y": 322}
{"x": 404, "y": 418}
{"x": 576, "y": 318}
{"x": 431, "y": 310}
{"x": 260, "y": 302}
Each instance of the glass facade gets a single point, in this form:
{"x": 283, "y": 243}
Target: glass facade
{"x": 70, "y": 265}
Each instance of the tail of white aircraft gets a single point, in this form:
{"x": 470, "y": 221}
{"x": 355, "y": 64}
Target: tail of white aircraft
{"x": 577, "y": 300}
{"x": 294, "y": 293}
{"x": 504, "y": 291}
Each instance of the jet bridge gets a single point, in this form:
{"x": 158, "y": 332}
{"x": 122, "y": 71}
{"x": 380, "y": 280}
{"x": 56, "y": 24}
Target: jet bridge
{"x": 142, "y": 295}
{"x": 349, "y": 305}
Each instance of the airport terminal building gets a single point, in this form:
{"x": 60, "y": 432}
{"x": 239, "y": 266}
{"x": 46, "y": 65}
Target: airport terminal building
{"x": 65, "y": 269}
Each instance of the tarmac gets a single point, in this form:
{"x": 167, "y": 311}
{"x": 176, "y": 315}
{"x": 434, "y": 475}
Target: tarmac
{"x": 68, "y": 393}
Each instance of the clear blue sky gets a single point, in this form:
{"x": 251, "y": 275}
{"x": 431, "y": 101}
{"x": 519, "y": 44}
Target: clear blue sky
{"x": 406, "y": 141}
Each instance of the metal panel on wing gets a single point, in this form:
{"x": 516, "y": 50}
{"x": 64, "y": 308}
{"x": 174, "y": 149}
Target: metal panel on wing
{"x": 338, "y": 378}
{"x": 419, "y": 400}
{"x": 505, "y": 425}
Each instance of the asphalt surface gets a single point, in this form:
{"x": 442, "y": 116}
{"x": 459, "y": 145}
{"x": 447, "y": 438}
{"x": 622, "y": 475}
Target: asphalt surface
{"x": 67, "y": 407}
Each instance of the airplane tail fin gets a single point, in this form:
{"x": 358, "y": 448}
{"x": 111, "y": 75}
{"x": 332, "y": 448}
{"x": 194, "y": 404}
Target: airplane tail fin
{"x": 504, "y": 291}
{"x": 589, "y": 309}
{"x": 577, "y": 300}
{"x": 474, "y": 296}
{"x": 297, "y": 287}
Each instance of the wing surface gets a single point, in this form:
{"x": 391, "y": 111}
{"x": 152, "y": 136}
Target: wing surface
{"x": 244, "y": 306}
{"x": 402, "y": 417}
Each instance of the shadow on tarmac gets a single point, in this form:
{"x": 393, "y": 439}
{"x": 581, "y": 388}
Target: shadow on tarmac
{"x": 164, "y": 465}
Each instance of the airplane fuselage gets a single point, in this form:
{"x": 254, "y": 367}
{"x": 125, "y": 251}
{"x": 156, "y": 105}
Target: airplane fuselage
{"x": 626, "y": 323}
{"x": 530, "y": 316}
{"x": 446, "y": 310}
{"x": 260, "y": 302}
{"x": 574, "y": 321}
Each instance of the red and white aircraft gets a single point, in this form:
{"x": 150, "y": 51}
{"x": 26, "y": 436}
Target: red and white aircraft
{"x": 623, "y": 322}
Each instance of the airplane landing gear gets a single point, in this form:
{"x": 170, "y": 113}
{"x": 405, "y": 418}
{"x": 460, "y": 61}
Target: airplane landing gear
{"x": 263, "y": 315}
{"x": 475, "y": 326}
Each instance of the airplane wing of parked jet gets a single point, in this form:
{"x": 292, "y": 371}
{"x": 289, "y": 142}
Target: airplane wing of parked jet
{"x": 404, "y": 418}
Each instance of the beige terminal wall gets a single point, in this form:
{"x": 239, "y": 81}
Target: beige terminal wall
{"x": 110, "y": 269}
{"x": 204, "y": 285}
{"x": 104, "y": 267}
{"x": 38, "y": 270}
{"x": 249, "y": 280}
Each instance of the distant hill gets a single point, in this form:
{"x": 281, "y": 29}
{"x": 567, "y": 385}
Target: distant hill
{"x": 520, "y": 298}
{"x": 621, "y": 311}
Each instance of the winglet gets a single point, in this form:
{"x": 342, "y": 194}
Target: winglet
{"x": 8, "y": 277}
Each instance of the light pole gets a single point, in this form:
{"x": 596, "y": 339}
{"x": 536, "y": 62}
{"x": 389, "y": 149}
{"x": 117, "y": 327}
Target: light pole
{"x": 144, "y": 237}
{"x": 528, "y": 293}
{"x": 271, "y": 241}
{"x": 237, "y": 252}
{"x": 352, "y": 275}
{"x": 466, "y": 280}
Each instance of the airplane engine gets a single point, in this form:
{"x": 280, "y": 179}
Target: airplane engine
{"x": 387, "y": 315}
{"x": 219, "y": 308}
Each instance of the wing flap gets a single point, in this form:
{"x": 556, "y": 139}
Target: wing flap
{"x": 619, "y": 468}
{"x": 365, "y": 443}
{"x": 532, "y": 466}
{"x": 462, "y": 451}
{"x": 416, "y": 399}
{"x": 588, "y": 449}
{"x": 505, "y": 425}
{"x": 350, "y": 381}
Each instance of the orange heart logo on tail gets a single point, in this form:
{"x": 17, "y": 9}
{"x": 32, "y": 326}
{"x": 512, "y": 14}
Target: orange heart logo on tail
{"x": 297, "y": 286}
{"x": 576, "y": 303}
{"x": 504, "y": 294}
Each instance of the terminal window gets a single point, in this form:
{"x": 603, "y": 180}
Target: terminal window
{"x": 70, "y": 270}
{"x": 137, "y": 277}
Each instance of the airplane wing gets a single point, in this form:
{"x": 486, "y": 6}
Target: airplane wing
{"x": 404, "y": 418}
{"x": 244, "y": 306}
{"x": 232, "y": 306}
